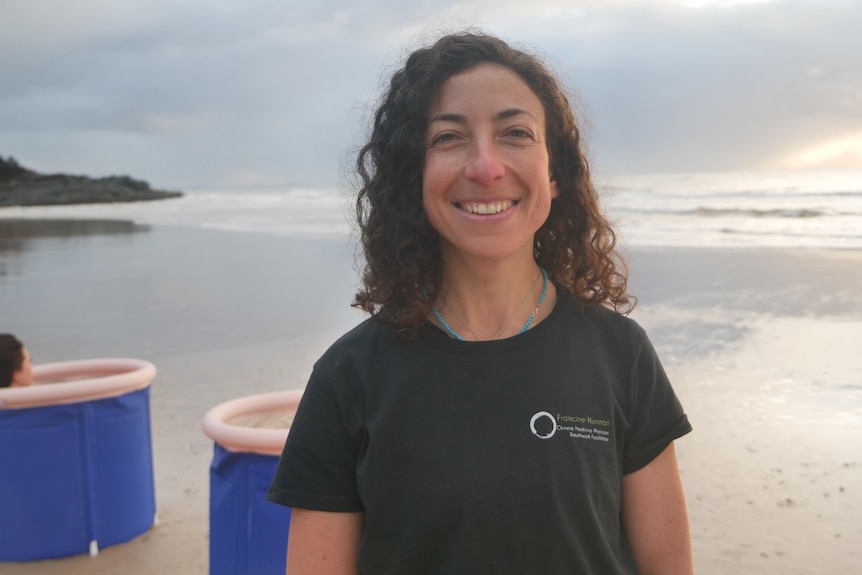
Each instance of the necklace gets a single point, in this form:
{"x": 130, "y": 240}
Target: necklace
{"x": 527, "y": 325}
{"x": 508, "y": 321}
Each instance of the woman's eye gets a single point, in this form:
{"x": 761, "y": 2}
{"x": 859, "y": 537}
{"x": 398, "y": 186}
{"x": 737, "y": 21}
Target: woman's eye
{"x": 443, "y": 138}
{"x": 519, "y": 133}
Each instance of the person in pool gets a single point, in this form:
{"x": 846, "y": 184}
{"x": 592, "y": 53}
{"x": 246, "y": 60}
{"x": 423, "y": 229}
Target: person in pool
{"x": 498, "y": 413}
{"x": 15, "y": 367}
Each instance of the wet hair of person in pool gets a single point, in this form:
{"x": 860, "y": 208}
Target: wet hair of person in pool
{"x": 15, "y": 366}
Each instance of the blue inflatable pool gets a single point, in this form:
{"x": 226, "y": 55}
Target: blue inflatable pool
{"x": 248, "y": 534}
{"x": 76, "y": 476}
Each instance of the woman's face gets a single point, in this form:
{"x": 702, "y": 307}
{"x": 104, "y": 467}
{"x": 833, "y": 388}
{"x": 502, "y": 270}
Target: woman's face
{"x": 486, "y": 186}
{"x": 24, "y": 376}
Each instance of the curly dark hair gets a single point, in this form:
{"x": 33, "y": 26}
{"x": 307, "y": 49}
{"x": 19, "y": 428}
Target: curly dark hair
{"x": 576, "y": 244}
{"x": 11, "y": 357}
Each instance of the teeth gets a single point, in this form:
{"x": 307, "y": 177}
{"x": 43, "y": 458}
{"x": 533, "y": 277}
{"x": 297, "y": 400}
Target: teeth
{"x": 490, "y": 208}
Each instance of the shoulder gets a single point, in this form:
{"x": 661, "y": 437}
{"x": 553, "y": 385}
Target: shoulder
{"x": 360, "y": 341}
{"x": 368, "y": 332}
{"x": 593, "y": 330}
{"x": 363, "y": 351}
{"x": 599, "y": 320}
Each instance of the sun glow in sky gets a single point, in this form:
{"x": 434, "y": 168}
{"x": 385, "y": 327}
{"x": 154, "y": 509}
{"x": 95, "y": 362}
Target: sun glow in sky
{"x": 722, "y": 3}
{"x": 840, "y": 153}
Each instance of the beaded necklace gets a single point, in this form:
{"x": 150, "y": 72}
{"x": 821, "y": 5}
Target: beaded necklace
{"x": 527, "y": 325}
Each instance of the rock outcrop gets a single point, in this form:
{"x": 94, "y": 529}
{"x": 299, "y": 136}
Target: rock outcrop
{"x": 22, "y": 187}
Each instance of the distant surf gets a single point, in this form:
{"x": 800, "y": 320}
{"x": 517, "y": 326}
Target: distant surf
{"x": 794, "y": 210}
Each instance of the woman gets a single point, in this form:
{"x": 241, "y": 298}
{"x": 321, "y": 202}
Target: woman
{"x": 498, "y": 413}
{"x": 15, "y": 367}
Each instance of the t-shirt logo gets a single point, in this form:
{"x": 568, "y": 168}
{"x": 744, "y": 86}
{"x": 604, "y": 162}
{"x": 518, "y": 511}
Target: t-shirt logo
{"x": 543, "y": 425}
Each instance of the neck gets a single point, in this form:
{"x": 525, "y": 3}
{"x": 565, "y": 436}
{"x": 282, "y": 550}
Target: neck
{"x": 492, "y": 302}
{"x": 480, "y": 278}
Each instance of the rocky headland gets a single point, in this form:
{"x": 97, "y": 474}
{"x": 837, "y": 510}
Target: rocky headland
{"x": 22, "y": 187}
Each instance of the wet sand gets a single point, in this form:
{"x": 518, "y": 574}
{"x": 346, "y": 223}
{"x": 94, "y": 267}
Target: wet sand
{"x": 762, "y": 347}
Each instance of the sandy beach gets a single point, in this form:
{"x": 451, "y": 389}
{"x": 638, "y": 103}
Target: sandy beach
{"x": 762, "y": 347}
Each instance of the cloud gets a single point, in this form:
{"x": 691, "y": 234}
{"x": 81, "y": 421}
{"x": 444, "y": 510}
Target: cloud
{"x": 186, "y": 92}
{"x": 712, "y": 89}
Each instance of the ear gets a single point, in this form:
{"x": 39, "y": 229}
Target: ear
{"x": 18, "y": 379}
{"x": 555, "y": 192}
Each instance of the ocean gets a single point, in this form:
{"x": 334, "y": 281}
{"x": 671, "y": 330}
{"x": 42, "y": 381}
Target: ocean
{"x": 819, "y": 210}
{"x": 218, "y": 268}
{"x": 789, "y": 210}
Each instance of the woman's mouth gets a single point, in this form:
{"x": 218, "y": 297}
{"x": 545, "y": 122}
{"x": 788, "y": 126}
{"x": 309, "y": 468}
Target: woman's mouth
{"x": 486, "y": 208}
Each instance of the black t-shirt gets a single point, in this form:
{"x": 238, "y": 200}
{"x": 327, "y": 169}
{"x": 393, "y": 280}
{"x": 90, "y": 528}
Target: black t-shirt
{"x": 483, "y": 457}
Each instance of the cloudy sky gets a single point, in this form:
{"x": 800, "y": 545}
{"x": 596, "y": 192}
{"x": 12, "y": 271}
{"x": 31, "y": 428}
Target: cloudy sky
{"x": 188, "y": 93}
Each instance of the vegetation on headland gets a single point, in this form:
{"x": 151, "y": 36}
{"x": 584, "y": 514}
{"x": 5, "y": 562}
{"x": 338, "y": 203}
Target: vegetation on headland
{"x": 22, "y": 187}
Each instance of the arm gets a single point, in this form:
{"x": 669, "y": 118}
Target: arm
{"x": 324, "y": 543}
{"x": 655, "y": 518}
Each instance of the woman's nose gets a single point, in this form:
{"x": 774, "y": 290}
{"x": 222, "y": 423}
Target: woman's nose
{"x": 484, "y": 165}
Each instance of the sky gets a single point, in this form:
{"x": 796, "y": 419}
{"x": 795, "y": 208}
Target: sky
{"x": 191, "y": 93}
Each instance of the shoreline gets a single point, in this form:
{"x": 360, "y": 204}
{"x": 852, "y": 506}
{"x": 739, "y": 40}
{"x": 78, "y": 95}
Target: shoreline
{"x": 760, "y": 346}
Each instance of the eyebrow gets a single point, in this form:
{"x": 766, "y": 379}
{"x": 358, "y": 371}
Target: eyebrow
{"x": 461, "y": 118}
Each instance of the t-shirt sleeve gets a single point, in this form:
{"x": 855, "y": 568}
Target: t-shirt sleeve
{"x": 657, "y": 415}
{"x": 317, "y": 469}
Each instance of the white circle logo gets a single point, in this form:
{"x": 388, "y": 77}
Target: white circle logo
{"x": 536, "y": 418}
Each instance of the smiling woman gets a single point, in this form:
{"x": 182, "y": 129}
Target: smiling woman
{"x": 432, "y": 438}
{"x": 415, "y": 147}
